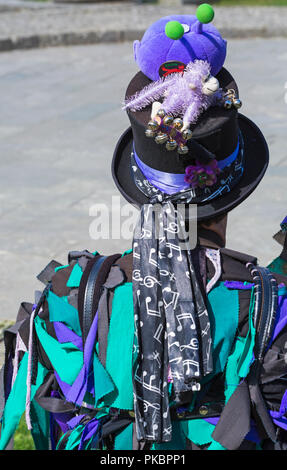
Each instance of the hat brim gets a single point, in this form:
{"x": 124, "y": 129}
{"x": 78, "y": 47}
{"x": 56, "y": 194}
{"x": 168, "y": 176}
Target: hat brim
{"x": 256, "y": 158}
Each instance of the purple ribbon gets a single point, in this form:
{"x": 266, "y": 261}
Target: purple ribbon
{"x": 84, "y": 381}
{"x": 237, "y": 285}
{"x": 66, "y": 335}
{"x": 281, "y": 320}
{"x": 170, "y": 183}
{"x": 90, "y": 430}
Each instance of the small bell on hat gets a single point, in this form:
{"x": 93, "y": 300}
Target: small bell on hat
{"x": 231, "y": 100}
{"x": 177, "y": 102}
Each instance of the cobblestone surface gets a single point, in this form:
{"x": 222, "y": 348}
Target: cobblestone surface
{"x": 60, "y": 120}
{"x": 38, "y": 24}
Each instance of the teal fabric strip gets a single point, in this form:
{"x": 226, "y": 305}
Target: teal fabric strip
{"x": 240, "y": 359}
{"x": 75, "y": 276}
{"x": 74, "y": 438}
{"x": 124, "y": 440}
{"x": 120, "y": 346}
{"x": 66, "y": 358}
{"x": 60, "y": 310}
{"x": 282, "y": 291}
{"x": 249, "y": 342}
{"x": 61, "y": 267}
{"x": 223, "y": 310}
{"x": 105, "y": 390}
{"x": 127, "y": 252}
{"x": 279, "y": 266}
{"x": 178, "y": 441}
{"x": 15, "y": 405}
{"x": 40, "y": 420}
{"x": 199, "y": 432}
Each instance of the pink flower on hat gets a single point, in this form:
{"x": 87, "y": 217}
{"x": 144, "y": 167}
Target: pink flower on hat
{"x": 201, "y": 175}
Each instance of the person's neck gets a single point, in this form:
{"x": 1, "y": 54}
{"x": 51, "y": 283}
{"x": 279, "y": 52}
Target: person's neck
{"x": 212, "y": 235}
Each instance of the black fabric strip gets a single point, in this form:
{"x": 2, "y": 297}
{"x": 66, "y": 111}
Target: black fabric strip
{"x": 114, "y": 426}
{"x": 48, "y": 272}
{"x": 49, "y": 403}
{"x": 103, "y": 326}
{"x": 115, "y": 278}
{"x": 234, "y": 422}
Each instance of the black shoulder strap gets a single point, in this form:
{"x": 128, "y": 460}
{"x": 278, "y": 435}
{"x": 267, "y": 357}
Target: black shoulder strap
{"x": 91, "y": 283}
{"x": 265, "y": 309}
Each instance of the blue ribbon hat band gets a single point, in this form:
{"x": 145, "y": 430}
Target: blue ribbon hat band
{"x": 170, "y": 183}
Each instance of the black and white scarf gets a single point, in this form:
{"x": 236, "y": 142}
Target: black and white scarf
{"x": 172, "y": 327}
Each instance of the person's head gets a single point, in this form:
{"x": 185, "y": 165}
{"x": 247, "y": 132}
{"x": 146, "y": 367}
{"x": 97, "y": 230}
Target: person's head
{"x": 224, "y": 159}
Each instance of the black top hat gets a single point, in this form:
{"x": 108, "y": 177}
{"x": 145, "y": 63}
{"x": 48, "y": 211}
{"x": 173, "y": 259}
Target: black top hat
{"x": 217, "y": 132}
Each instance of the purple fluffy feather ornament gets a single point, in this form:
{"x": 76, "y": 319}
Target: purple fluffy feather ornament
{"x": 184, "y": 96}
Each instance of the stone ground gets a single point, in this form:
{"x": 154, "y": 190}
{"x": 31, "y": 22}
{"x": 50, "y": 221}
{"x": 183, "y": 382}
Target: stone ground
{"x": 60, "y": 120}
{"x": 26, "y": 24}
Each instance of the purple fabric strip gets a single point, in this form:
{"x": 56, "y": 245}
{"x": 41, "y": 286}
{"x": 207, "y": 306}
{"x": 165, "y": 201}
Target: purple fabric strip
{"x": 237, "y": 285}
{"x": 79, "y": 388}
{"x": 282, "y": 410}
{"x": 63, "y": 385}
{"x": 66, "y": 335}
{"x": 171, "y": 183}
{"x": 60, "y": 418}
{"x": 213, "y": 421}
{"x": 52, "y": 431}
{"x": 75, "y": 421}
{"x": 89, "y": 431}
{"x": 281, "y": 320}
{"x": 281, "y": 422}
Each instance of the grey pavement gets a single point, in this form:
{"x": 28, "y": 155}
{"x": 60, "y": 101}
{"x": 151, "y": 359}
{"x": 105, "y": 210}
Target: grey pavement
{"x": 60, "y": 120}
{"x": 26, "y": 24}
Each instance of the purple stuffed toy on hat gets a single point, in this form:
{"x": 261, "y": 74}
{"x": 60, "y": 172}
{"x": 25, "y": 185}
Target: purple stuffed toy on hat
{"x": 171, "y": 43}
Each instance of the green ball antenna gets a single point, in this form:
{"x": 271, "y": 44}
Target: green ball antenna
{"x": 205, "y": 13}
{"x": 174, "y": 30}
